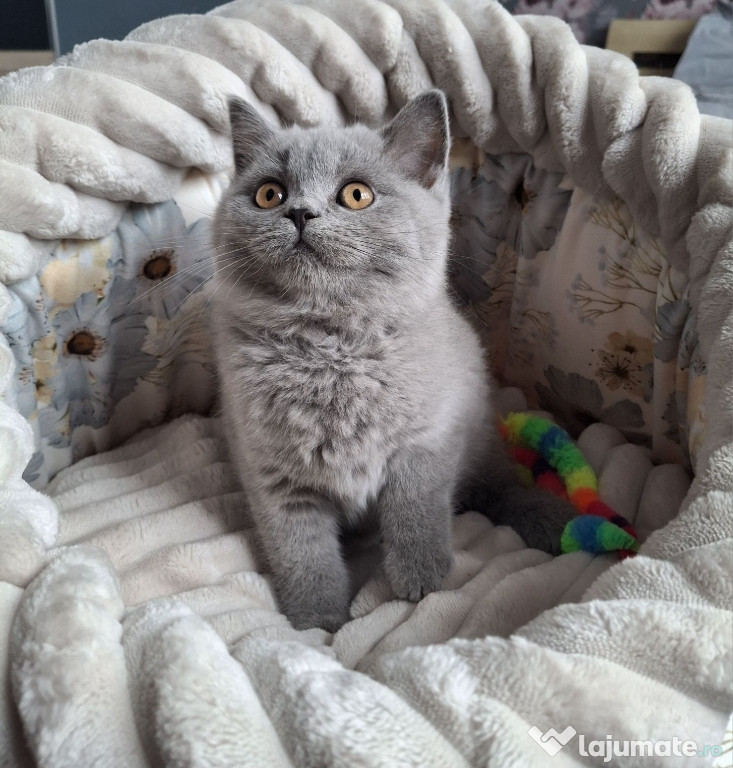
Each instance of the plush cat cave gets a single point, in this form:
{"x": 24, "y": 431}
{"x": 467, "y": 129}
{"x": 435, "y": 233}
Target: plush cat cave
{"x": 592, "y": 248}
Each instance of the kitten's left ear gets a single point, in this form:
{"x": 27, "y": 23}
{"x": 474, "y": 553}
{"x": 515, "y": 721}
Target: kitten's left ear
{"x": 419, "y": 138}
{"x": 250, "y": 133}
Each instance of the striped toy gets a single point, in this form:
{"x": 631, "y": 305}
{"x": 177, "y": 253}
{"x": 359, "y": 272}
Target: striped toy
{"x": 546, "y": 456}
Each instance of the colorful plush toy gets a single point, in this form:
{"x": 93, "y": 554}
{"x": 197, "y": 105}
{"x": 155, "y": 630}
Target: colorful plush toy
{"x": 546, "y": 456}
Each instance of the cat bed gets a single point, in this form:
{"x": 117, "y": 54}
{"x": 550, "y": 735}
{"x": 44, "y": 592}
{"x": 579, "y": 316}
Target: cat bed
{"x": 166, "y": 510}
{"x": 592, "y": 220}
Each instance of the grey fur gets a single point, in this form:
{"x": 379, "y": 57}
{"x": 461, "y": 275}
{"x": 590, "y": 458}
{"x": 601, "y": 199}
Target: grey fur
{"x": 351, "y": 386}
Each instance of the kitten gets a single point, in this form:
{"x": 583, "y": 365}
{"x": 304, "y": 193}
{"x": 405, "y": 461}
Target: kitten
{"x": 350, "y": 383}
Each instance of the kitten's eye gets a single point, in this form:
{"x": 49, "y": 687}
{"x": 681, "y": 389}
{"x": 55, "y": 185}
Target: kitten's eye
{"x": 269, "y": 195}
{"x": 356, "y": 196}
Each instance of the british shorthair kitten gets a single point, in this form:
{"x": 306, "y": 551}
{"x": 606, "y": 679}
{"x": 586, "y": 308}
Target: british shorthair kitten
{"x": 351, "y": 385}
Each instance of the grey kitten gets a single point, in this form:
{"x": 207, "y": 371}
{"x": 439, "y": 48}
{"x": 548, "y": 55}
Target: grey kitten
{"x": 351, "y": 385}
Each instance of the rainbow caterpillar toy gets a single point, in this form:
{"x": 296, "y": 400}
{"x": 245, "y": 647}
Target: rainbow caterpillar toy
{"x": 546, "y": 456}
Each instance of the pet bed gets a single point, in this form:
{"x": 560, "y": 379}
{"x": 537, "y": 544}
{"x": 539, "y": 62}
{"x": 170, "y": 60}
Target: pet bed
{"x": 592, "y": 220}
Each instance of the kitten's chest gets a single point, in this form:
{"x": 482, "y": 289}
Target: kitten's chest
{"x": 334, "y": 404}
{"x": 338, "y": 388}
{"x": 332, "y": 414}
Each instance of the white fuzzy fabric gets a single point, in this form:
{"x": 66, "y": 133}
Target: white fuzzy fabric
{"x": 217, "y": 677}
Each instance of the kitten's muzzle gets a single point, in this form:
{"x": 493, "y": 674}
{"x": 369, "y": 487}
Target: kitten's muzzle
{"x": 299, "y": 216}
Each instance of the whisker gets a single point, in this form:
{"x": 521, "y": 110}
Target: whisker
{"x": 232, "y": 270}
{"x": 182, "y": 273}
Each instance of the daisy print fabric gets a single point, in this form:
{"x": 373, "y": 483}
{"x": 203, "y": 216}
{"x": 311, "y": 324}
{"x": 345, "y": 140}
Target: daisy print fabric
{"x": 111, "y": 335}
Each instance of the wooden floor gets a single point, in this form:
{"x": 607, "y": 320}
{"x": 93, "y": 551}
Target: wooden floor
{"x": 12, "y": 60}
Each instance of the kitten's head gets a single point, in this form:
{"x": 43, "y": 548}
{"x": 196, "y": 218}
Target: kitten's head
{"x": 342, "y": 215}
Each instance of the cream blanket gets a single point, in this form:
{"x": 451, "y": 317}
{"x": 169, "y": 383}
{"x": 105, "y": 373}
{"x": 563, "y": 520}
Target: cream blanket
{"x": 107, "y": 666}
{"x": 646, "y": 654}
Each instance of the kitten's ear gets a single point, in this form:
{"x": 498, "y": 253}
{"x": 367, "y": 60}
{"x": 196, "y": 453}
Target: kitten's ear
{"x": 250, "y": 133}
{"x": 419, "y": 138}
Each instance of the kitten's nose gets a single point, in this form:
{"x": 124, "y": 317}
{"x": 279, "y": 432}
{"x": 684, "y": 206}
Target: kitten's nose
{"x": 299, "y": 216}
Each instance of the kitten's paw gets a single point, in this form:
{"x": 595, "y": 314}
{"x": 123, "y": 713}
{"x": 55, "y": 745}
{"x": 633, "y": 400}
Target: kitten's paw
{"x": 330, "y": 621}
{"x": 315, "y": 608}
{"x": 413, "y": 575}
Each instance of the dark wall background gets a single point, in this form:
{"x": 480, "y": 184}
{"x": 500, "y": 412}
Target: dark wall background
{"x": 23, "y": 25}
{"x": 81, "y": 20}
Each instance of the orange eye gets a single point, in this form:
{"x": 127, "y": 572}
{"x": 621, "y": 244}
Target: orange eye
{"x": 269, "y": 195}
{"x": 356, "y": 196}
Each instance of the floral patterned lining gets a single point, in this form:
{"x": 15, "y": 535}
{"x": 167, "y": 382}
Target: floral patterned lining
{"x": 110, "y": 336}
{"x": 579, "y": 309}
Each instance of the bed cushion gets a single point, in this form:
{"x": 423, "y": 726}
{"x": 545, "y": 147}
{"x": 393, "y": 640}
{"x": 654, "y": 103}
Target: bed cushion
{"x": 707, "y": 62}
{"x": 646, "y": 650}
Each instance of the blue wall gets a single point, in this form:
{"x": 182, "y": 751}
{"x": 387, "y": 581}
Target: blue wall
{"x": 80, "y": 20}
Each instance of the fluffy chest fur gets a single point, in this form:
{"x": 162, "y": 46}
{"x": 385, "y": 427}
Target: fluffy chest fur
{"x": 332, "y": 407}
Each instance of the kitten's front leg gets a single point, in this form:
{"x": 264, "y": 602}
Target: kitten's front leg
{"x": 300, "y": 542}
{"x": 415, "y": 513}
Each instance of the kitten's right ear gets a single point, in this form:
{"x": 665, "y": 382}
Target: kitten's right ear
{"x": 418, "y": 139}
{"x": 250, "y": 133}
